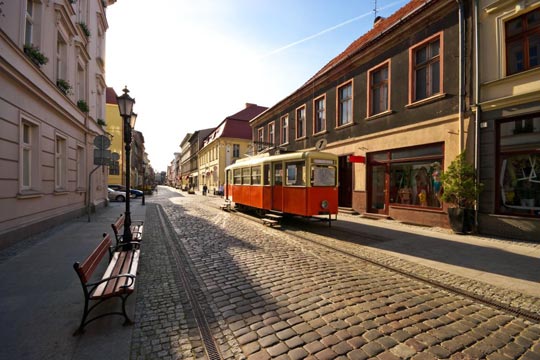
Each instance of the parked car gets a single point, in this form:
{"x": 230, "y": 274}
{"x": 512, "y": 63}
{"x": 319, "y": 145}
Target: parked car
{"x": 116, "y": 195}
{"x": 134, "y": 192}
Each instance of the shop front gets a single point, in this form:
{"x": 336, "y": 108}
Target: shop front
{"x": 511, "y": 206}
{"x": 404, "y": 184}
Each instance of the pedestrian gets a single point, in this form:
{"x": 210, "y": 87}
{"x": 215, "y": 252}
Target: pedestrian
{"x": 204, "y": 189}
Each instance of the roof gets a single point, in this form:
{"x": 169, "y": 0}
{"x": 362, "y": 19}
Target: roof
{"x": 237, "y": 125}
{"x": 111, "y": 96}
{"x": 380, "y": 28}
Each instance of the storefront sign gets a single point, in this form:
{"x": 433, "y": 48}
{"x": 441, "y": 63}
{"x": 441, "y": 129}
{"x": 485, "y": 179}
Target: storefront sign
{"x": 357, "y": 159}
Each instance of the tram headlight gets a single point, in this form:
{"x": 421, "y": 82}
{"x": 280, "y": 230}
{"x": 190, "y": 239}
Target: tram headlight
{"x": 324, "y": 204}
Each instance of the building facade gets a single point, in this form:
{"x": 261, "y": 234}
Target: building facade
{"x": 230, "y": 140}
{"x": 508, "y": 117}
{"x": 52, "y": 106}
{"x": 115, "y": 128}
{"x": 392, "y": 106}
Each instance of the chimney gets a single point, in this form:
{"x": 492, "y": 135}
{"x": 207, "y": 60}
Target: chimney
{"x": 377, "y": 20}
{"x": 250, "y": 104}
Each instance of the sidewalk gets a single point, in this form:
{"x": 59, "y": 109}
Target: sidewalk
{"x": 41, "y": 301}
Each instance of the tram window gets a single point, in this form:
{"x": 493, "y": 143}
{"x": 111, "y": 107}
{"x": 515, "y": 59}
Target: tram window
{"x": 266, "y": 174}
{"x": 296, "y": 174}
{"x": 278, "y": 174}
{"x": 245, "y": 176}
{"x": 323, "y": 175}
{"x": 237, "y": 177}
{"x": 256, "y": 175}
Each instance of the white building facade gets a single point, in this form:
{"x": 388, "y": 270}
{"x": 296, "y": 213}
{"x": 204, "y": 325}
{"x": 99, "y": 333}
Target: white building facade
{"x": 52, "y": 106}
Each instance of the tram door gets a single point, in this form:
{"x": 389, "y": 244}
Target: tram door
{"x": 277, "y": 187}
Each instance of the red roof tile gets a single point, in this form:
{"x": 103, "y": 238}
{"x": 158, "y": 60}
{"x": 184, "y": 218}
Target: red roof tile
{"x": 378, "y": 29}
{"x": 111, "y": 96}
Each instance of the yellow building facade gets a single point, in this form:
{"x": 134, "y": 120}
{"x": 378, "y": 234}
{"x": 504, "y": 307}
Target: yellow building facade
{"x": 115, "y": 129}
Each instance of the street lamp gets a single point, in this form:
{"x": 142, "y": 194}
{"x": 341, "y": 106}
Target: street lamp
{"x": 125, "y": 105}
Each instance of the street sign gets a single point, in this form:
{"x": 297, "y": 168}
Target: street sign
{"x": 115, "y": 156}
{"x": 102, "y": 142}
{"x": 102, "y": 157}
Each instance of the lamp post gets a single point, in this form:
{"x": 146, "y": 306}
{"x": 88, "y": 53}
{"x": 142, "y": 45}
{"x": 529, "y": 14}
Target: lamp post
{"x": 125, "y": 105}
{"x": 143, "y": 182}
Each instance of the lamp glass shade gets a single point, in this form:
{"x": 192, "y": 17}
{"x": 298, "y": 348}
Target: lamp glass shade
{"x": 125, "y": 103}
{"x": 132, "y": 120}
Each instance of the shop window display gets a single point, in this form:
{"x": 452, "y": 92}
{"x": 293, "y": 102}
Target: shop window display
{"x": 415, "y": 183}
{"x": 519, "y": 166}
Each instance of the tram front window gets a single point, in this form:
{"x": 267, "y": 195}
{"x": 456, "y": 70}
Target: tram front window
{"x": 323, "y": 175}
{"x": 296, "y": 174}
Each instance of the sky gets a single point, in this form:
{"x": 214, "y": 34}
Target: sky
{"x": 191, "y": 63}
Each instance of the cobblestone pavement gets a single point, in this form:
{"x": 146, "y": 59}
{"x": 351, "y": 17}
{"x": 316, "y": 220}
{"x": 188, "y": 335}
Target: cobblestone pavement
{"x": 265, "y": 294}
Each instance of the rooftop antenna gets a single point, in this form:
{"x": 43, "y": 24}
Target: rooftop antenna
{"x": 375, "y": 8}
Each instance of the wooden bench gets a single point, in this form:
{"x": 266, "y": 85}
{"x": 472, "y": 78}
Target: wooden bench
{"x": 136, "y": 229}
{"x": 118, "y": 281}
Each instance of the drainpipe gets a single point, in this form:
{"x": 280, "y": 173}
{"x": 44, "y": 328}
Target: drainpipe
{"x": 461, "y": 73}
{"x": 477, "y": 113}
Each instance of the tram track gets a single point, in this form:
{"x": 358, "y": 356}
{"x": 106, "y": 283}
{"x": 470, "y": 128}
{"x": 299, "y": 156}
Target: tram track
{"x": 294, "y": 230}
{"x": 173, "y": 243}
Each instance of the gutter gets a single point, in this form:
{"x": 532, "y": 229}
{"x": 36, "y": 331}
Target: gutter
{"x": 461, "y": 71}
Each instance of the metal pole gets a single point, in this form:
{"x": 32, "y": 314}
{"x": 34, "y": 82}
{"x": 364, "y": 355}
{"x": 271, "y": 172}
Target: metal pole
{"x": 127, "y": 139}
{"x": 143, "y": 187}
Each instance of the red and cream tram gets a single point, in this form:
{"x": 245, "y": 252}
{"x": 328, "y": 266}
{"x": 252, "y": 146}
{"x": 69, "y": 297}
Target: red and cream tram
{"x": 299, "y": 183}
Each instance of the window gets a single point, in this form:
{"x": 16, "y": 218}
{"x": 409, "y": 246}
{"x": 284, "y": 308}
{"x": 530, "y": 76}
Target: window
{"x": 236, "y": 150}
{"x": 256, "y": 175}
{"x": 278, "y": 174}
{"x": 519, "y": 166}
{"x": 272, "y": 133}
{"x": 319, "y": 105}
{"x": 414, "y": 176}
{"x": 237, "y": 174}
{"x": 301, "y": 122}
{"x": 260, "y": 139}
{"x": 378, "y": 89}
{"x": 426, "y": 69}
{"x": 29, "y": 23}
{"x": 61, "y": 58}
{"x": 267, "y": 174}
{"x": 114, "y": 168}
{"x": 29, "y": 156}
{"x": 523, "y": 42}
{"x": 80, "y": 163}
{"x": 246, "y": 175}
{"x": 81, "y": 82}
{"x": 344, "y": 104}
{"x": 323, "y": 175}
{"x": 296, "y": 173}
{"x": 32, "y": 23}
{"x": 60, "y": 164}
{"x": 284, "y": 129}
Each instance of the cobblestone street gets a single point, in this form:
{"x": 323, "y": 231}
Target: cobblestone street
{"x": 216, "y": 285}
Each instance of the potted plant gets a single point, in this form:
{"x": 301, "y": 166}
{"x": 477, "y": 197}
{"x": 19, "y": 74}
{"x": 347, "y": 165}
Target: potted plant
{"x": 83, "y": 106}
{"x": 460, "y": 189}
{"x": 64, "y": 86}
{"x": 35, "y": 55}
{"x": 101, "y": 122}
{"x": 85, "y": 29}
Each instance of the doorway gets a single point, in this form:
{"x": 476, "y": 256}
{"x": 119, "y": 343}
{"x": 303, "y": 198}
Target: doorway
{"x": 345, "y": 182}
{"x": 377, "y": 202}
